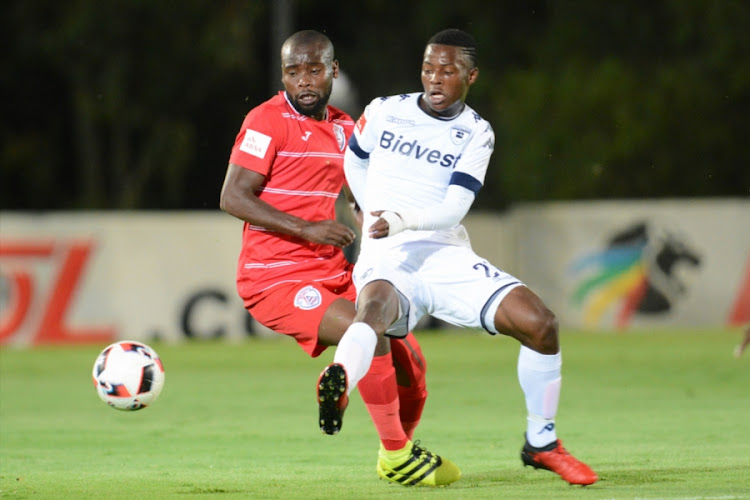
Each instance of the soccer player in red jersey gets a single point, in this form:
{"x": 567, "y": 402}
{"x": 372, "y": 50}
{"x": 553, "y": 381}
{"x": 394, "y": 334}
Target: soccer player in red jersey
{"x": 285, "y": 173}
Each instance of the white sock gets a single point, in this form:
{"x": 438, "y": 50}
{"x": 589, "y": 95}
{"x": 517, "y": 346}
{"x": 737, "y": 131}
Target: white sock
{"x": 540, "y": 378}
{"x": 355, "y": 351}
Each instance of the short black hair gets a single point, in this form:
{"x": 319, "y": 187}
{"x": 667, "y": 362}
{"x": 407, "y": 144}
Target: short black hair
{"x": 457, "y": 38}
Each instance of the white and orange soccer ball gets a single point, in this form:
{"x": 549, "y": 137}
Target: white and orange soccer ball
{"x": 128, "y": 375}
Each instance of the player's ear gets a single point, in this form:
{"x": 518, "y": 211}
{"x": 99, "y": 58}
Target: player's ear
{"x": 335, "y": 68}
{"x": 473, "y": 75}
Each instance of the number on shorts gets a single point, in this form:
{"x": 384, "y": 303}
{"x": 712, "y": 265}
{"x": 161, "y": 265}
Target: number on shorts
{"x": 489, "y": 273}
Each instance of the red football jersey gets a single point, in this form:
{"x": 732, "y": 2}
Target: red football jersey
{"x": 303, "y": 161}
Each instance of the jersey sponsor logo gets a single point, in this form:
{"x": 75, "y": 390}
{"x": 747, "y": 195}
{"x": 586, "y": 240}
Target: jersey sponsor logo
{"x": 459, "y": 134}
{"x": 306, "y": 136}
{"x": 307, "y": 298}
{"x": 255, "y": 143}
{"x": 390, "y": 142}
{"x": 399, "y": 121}
{"x": 338, "y": 131}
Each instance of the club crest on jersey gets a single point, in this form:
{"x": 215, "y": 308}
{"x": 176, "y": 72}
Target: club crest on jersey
{"x": 338, "y": 131}
{"x": 307, "y": 298}
{"x": 459, "y": 134}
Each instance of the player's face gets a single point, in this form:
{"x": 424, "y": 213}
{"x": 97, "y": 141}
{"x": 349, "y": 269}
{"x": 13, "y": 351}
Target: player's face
{"x": 307, "y": 72}
{"x": 446, "y": 77}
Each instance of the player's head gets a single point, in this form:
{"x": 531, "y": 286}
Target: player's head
{"x": 449, "y": 68}
{"x": 307, "y": 71}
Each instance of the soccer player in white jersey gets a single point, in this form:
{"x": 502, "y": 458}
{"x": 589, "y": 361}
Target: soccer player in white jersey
{"x": 415, "y": 163}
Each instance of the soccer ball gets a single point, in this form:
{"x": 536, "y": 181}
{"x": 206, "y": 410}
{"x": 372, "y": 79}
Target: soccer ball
{"x": 128, "y": 375}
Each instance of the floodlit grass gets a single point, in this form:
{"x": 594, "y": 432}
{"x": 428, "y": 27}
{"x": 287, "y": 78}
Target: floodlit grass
{"x": 658, "y": 415}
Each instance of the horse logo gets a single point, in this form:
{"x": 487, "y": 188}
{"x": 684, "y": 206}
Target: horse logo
{"x": 640, "y": 269}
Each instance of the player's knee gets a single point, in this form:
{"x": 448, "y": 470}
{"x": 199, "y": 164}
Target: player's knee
{"x": 546, "y": 339}
{"x": 379, "y": 311}
{"x": 373, "y": 312}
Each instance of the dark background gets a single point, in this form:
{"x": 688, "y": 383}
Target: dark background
{"x": 135, "y": 104}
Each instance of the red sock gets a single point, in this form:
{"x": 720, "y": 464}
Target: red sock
{"x": 411, "y": 409}
{"x": 380, "y": 395}
{"x": 411, "y": 397}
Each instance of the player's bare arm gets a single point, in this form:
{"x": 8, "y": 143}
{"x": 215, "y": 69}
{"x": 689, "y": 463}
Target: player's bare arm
{"x": 354, "y": 206}
{"x": 238, "y": 198}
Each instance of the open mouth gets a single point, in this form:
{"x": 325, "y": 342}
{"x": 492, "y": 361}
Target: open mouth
{"x": 436, "y": 98}
{"x": 307, "y": 99}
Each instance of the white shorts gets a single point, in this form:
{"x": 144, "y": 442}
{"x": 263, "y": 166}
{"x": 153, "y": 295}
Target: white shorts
{"x": 448, "y": 282}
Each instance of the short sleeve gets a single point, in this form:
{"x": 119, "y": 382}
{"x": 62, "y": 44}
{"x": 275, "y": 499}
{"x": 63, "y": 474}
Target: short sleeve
{"x": 365, "y": 129}
{"x": 475, "y": 159}
{"x": 258, "y": 140}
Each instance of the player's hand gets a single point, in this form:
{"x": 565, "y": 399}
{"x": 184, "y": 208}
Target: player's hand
{"x": 328, "y": 232}
{"x": 383, "y": 227}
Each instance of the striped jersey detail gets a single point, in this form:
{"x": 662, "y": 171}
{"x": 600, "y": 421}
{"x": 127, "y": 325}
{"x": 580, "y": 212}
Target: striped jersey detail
{"x": 295, "y": 192}
{"x": 309, "y": 154}
{"x": 281, "y": 282}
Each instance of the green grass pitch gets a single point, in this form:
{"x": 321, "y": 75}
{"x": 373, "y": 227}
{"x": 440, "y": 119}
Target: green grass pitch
{"x": 659, "y": 415}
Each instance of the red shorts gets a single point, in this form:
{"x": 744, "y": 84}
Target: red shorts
{"x": 296, "y": 309}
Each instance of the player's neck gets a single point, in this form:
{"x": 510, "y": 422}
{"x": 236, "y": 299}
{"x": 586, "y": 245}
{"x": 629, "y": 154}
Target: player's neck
{"x": 320, "y": 116}
{"x": 451, "y": 111}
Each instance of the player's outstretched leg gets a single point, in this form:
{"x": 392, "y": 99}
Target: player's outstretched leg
{"x": 555, "y": 458}
{"x": 415, "y": 466}
{"x": 332, "y": 398}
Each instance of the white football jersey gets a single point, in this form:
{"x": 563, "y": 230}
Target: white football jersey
{"x": 414, "y": 157}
